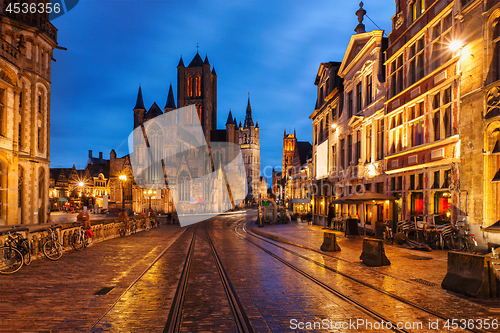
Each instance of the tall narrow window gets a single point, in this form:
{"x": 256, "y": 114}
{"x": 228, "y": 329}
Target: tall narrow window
{"x": 416, "y": 61}
{"x": 380, "y": 139}
{"x": 39, "y": 138}
{"x": 334, "y": 158}
{"x": 441, "y": 36}
{"x": 2, "y": 111}
{"x": 369, "y": 90}
{"x": 349, "y": 149}
{"x": 40, "y": 103}
{"x": 396, "y": 76}
{"x": 359, "y": 97}
{"x": 368, "y": 143}
{"x": 189, "y": 85}
{"x": 349, "y": 103}
{"x": 417, "y": 7}
{"x": 342, "y": 154}
{"x": 495, "y": 41}
{"x": 358, "y": 147}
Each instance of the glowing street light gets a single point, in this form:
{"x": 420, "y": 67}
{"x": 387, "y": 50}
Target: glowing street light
{"x": 455, "y": 45}
{"x": 149, "y": 194}
{"x": 123, "y": 179}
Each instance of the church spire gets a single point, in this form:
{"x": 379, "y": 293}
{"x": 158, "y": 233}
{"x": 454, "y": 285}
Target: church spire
{"x": 248, "y": 117}
{"x": 139, "y": 105}
{"x": 170, "y": 100}
{"x": 181, "y": 63}
{"x": 230, "y": 119}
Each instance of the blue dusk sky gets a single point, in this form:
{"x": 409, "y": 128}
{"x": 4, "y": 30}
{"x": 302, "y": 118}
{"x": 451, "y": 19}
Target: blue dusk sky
{"x": 270, "y": 48}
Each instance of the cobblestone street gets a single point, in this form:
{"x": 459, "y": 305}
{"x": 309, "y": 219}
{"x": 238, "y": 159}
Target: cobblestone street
{"x": 136, "y": 283}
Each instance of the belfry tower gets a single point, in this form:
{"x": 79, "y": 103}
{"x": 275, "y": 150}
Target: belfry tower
{"x": 250, "y": 150}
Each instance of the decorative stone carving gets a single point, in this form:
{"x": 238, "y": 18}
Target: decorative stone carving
{"x": 493, "y": 102}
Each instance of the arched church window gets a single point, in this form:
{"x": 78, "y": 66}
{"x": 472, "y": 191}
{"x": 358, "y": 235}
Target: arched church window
{"x": 189, "y": 86}
{"x": 184, "y": 188}
{"x": 199, "y": 110}
{"x": 495, "y": 43}
{"x": 197, "y": 86}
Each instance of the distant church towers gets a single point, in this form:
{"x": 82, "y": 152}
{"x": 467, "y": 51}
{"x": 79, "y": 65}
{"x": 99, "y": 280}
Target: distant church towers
{"x": 250, "y": 149}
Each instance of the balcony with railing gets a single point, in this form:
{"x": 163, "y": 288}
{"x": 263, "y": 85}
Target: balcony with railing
{"x": 34, "y": 19}
{"x": 8, "y": 51}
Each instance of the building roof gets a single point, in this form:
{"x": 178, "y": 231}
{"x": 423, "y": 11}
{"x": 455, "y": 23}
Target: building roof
{"x": 305, "y": 151}
{"x": 196, "y": 62}
{"x": 154, "y": 111}
{"x": 181, "y": 63}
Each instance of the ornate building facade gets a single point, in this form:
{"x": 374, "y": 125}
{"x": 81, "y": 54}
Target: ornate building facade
{"x": 421, "y": 125}
{"x": 28, "y": 41}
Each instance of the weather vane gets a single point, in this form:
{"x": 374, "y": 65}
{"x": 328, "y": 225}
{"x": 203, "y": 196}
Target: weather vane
{"x": 197, "y": 47}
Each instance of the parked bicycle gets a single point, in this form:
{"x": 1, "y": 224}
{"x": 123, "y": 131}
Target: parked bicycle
{"x": 15, "y": 252}
{"x": 388, "y": 234}
{"x": 80, "y": 239}
{"x": 52, "y": 249}
{"x": 452, "y": 238}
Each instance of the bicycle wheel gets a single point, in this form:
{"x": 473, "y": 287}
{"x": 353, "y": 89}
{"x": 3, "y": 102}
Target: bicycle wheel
{"x": 11, "y": 260}
{"x": 78, "y": 241}
{"x": 26, "y": 251}
{"x": 469, "y": 244}
{"x": 455, "y": 243}
{"x": 52, "y": 250}
{"x": 123, "y": 232}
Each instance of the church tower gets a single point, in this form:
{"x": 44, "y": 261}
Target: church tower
{"x": 289, "y": 144}
{"x": 197, "y": 84}
{"x": 250, "y": 150}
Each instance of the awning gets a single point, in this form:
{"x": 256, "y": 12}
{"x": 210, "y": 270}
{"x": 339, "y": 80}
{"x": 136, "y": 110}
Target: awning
{"x": 495, "y": 227}
{"x": 301, "y": 201}
{"x": 339, "y": 201}
{"x": 367, "y": 196}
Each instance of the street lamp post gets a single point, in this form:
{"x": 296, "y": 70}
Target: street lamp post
{"x": 149, "y": 194}
{"x": 123, "y": 179}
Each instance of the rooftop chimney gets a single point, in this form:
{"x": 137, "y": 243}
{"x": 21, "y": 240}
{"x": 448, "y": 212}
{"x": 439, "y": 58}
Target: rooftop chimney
{"x": 100, "y": 155}
{"x": 90, "y": 153}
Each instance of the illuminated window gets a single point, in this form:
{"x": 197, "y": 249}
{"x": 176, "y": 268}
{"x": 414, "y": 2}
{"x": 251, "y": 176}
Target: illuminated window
{"x": 417, "y": 7}
{"x": 380, "y": 140}
{"x": 416, "y": 61}
{"x": 396, "y": 133}
{"x": 189, "y": 85}
{"x": 440, "y": 40}
{"x": 416, "y": 125}
{"x": 396, "y": 76}
{"x": 368, "y": 132}
{"x": 442, "y": 114}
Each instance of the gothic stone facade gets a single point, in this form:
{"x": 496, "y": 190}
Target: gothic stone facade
{"x": 27, "y": 42}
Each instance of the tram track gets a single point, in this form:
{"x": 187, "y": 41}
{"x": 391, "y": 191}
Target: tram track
{"x": 367, "y": 310}
{"x": 174, "y": 323}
